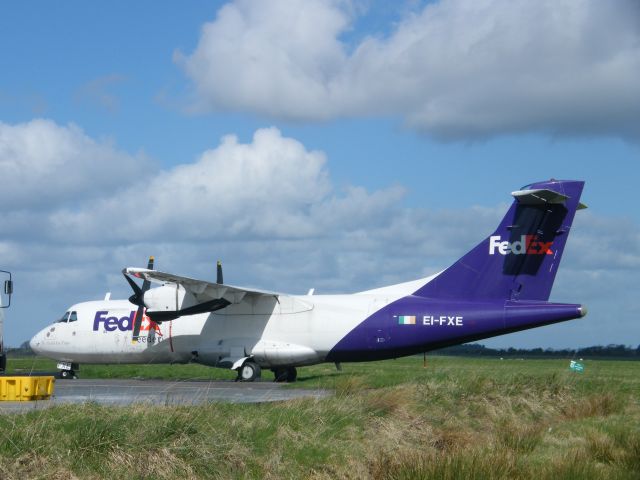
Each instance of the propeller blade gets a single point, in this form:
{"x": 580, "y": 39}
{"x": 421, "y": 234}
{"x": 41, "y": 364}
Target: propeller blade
{"x": 146, "y": 284}
{"x": 137, "y": 324}
{"x": 136, "y": 298}
{"x": 139, "y": 297}
{"x": 219, "y": 272}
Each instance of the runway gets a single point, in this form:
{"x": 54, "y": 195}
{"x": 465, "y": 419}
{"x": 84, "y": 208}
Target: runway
{"x": 161, "y": 392}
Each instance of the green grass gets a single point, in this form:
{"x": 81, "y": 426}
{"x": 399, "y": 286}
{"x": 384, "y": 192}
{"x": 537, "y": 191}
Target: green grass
{"x": 28, "y": 364}
{"x": 457, "y": 418}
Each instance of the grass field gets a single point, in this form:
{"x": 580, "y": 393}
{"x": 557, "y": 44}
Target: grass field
{"x": 457, "y": 418}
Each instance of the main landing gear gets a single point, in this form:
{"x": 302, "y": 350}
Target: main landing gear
{"x": 288, "y": 374}
{"x": 250, "y": 371}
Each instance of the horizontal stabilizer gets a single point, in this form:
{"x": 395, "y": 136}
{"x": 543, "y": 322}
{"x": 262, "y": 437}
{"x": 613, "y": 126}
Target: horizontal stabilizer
{"x": 538, "y": 196}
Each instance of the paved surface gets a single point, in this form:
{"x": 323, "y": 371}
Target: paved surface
{"x": 161, "y": 392}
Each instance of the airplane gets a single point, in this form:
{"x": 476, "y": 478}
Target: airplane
{"x": 500, "y": 286}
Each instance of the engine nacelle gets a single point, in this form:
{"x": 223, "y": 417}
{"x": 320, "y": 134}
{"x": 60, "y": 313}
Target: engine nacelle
{"x": 168, "y": 298}
{"x": 273, "y": 354}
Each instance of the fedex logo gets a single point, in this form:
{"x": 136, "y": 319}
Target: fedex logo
{"x": 111, "y": 324}
{"x": 124, "y": 324}
{"x": 527, "y": 245}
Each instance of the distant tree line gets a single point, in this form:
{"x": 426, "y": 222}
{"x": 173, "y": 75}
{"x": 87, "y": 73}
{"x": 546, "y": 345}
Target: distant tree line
{"x": 23, "y": 349}
{"x": 613, "y": 351}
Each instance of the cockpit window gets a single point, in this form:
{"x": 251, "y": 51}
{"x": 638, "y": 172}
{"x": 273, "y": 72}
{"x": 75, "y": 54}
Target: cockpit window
{"x": 65, "y": 318}
{"x": 73, "y": 317}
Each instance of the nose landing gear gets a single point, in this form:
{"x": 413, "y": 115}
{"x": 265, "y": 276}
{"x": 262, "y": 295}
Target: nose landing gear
{"x": 67, "y": 374}
{"x": 68, "y": 370}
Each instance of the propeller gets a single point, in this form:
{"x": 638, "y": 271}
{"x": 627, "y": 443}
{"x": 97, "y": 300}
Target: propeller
{"x": 219, "y": 272}
{"x": 138, "y": 299}
{"x": 164, "y": 316}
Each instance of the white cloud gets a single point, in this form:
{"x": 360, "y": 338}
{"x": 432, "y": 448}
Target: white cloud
{"x": 270, "y": 188}
{"x": 276, "y": 57}
{"x": 455, "y": 69}
{"x": 609, "y": 245}
{"x": 61, "y": 186}
{"x": 45, "y": 165}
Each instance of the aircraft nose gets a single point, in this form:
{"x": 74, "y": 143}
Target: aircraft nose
{"x": 34, "y": 343}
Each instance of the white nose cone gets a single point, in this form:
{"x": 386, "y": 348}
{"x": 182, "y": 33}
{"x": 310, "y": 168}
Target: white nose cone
{"x": 35, "y": 342}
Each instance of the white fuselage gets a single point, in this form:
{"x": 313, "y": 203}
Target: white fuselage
{"x": 292, "y": 330}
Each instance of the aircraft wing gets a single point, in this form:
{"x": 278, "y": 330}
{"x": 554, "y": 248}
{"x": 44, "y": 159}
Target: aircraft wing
{"x": 209, "y": 296}
{"x": 200, "y": 288}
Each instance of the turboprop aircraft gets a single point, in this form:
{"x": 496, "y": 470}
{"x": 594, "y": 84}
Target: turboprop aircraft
{"x": 501, "y": 286}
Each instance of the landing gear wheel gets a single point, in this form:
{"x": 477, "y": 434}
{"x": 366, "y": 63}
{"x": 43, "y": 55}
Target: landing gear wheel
{"x": 67, "y": 374}
{"x": 280, "y": 375}
{"x": 288, "y": 375}
{"x": 292, "y": 374}
{"x": 249, "y": 372}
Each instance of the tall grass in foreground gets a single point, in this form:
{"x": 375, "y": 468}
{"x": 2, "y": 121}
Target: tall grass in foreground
{"x": 456, "y": 419}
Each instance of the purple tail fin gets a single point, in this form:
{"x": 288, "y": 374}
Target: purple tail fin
{"x": 520, "y": 259}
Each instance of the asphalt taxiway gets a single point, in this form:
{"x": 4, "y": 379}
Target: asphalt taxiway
{"x": 161, "y": 392}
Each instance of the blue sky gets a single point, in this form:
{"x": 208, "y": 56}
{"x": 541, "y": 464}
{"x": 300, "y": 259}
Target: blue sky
{"x": 374, "y": 143}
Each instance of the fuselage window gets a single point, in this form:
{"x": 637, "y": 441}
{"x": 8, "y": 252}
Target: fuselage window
{"x": 73, "y": 317}
{"x": 65, "y": 318}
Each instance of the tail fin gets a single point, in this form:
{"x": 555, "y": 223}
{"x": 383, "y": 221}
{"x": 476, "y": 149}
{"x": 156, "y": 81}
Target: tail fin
{"x": 520, "y": 259}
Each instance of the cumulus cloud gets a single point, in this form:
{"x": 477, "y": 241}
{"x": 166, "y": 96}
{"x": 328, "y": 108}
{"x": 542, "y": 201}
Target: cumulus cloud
{"x": 45, "y": 165}
{"x": 60, "y": 185}
{"x": 270, "y": 188}
{"x": 454, "y": 69}
{"x": 278, "y": 57}
{"x": 613, "y": 243}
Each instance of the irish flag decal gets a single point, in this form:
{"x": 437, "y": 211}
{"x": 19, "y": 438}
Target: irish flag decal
{"x": 406, "y": 320}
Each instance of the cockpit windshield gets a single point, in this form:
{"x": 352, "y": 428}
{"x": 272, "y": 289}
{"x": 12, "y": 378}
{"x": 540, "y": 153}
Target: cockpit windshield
{"x": 68, "y": 317}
